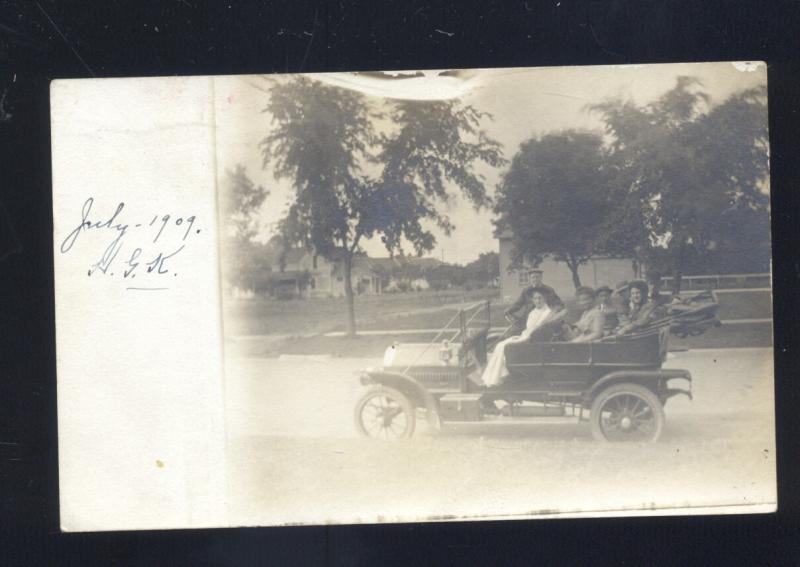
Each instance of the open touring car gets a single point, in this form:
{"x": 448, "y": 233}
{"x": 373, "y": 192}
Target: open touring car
{"x": 618, "y": 384}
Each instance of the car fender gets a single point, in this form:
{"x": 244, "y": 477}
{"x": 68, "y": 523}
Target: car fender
{"x": 416, "y": 392}
{"x": 649, "y": 378}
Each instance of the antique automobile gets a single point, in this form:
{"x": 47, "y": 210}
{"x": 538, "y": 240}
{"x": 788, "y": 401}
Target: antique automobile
{"x": 617, "y": 385}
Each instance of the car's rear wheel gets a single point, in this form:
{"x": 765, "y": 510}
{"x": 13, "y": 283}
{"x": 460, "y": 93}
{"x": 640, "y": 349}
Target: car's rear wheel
{"x": 627, "y": 412}
{"x": 385, "y": 413}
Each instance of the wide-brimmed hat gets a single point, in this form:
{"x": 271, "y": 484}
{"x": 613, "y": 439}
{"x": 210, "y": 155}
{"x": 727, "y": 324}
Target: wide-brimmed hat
{"x": 641, "y": 285}
{"x": 624, "y": 285}
{"x": 603, "y": 288}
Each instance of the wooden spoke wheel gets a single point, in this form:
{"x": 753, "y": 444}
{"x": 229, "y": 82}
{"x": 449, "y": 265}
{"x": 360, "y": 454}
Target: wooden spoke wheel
{"x": 385, "y": 413}
{"x": 627, "y": 412}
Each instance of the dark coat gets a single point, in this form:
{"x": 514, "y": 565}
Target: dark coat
{"x": 524, "y": 303}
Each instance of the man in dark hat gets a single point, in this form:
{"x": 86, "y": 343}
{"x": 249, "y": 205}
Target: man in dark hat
{"x": 622, "y": 290}
{"x": 621, "y": 296}
{"x": 519, "y": 310}
{"x": 610, "y": 311}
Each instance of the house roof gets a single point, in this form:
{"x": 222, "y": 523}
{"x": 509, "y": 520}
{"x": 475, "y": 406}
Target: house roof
{"x": 381, "y": 264}
{"x": 288, "y": 275}
{"x": 424, "y": 262}
{"x": 363, "y": 263}
{"x": 387, "y": 264}
{"x": 295, "y": 255}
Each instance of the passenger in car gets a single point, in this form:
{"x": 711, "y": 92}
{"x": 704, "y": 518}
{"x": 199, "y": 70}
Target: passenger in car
{"x": 519, "y": 310}
{"x": 621, "y": 295}
{"x": 495, "y": 371}
{"x": 590, "y": 325}
{"x": 610, "y": 311}
{"x": 639, "y": 311}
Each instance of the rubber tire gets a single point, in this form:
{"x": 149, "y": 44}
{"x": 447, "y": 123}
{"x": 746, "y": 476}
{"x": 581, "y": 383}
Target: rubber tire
{"x": 632, "y": 389}
{"x": 401, "y": 398}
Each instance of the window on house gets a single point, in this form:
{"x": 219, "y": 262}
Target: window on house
{"x": 523, "y": 278}
{"x": 314, "y": 262}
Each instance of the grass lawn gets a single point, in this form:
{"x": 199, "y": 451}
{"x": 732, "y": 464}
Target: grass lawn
{"x": 745, "y": 305}
{"x": 421, "y": 310}
{"x": 261, "y": 316}
{"x": 428, "y": 310}
{"x": 729, "y": 336}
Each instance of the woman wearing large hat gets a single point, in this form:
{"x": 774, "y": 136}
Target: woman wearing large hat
{"x": 495, "y": 371}
{"x": 639, "y": 310}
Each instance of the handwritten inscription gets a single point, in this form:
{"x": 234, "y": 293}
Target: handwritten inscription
{"x": 129, "y": 248}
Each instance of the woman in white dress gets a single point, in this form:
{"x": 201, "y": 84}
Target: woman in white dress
{"x": 495, "y": 370}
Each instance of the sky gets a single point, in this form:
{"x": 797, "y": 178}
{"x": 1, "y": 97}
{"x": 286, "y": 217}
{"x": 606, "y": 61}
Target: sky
{"x": 524, "y": 102}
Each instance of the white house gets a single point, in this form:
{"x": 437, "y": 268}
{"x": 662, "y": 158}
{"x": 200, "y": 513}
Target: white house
{"x": 305, "y": 275}
{"x": 325, "y": 278}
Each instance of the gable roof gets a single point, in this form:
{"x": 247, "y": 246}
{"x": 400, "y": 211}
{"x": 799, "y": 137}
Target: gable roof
{"x": 295, "y": 255}
{"x": 363, "y": 263}
{"x": 424, "y": 262}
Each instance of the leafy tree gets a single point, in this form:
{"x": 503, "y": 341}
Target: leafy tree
{"x": 323, "y": 138}
{"x": 319, "y": 140}
{"x": 685, "y": 165}
{"x": 240, "y": 201}
{"x": 743, "y": 241}
{"x": 556, "y": 198}
{"x": 435, "y": 143}
{"x": 444, "y": 276}
{"x": 485, "y": 269}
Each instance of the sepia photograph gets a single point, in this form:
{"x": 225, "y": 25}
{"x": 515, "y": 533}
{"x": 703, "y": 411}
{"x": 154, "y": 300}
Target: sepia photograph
{"x": 359, "y": 283}
{"x": 495, "y": 293}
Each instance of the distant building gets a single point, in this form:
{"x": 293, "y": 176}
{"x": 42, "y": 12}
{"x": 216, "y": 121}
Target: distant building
{"x": 307, "y": 275}
{"x": 314, "y": 276}
{"x": 596, "y": 272}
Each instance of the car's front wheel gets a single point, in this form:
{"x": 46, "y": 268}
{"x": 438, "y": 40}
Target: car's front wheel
{"x": 385, "y": 413}
{"x": 627, "y": 412}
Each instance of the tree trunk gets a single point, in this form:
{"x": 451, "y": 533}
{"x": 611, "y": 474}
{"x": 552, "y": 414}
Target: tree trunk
{"x": 573, "y": 267}
{"x": 677, "y": 277}
{"x": 348, "y": 292}
{"x": 678, "y": 272}
{"x": 655, "y": 289}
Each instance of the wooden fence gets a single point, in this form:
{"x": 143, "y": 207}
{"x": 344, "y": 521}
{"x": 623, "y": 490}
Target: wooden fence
{"x": 721, "y": 281}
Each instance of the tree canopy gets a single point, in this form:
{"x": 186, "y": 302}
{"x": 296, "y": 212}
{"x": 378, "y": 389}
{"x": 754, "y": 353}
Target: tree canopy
{"x": 678, "y": 184}
{"x": 240, "y": 200}
{"x": 556, "y": 199}
{"x": 352, "y": 183}
{"x": 689, "y": 167}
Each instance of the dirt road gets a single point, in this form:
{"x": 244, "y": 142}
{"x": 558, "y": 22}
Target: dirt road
{"x": 294, "y": 455}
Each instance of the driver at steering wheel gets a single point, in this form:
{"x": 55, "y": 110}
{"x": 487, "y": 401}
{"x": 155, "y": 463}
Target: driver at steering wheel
{"x": 517, "y": 312}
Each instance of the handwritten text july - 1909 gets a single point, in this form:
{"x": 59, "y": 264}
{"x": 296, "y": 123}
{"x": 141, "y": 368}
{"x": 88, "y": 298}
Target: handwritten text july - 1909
{"x": 156, "y": 243}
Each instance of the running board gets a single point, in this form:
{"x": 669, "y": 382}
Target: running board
{"x": 503, "y": 420}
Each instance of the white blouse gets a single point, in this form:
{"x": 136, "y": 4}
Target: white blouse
{"x": 535, "y": 320}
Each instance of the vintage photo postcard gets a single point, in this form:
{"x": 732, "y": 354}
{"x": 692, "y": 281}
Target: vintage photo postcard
{"x": 413, "y": 296}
